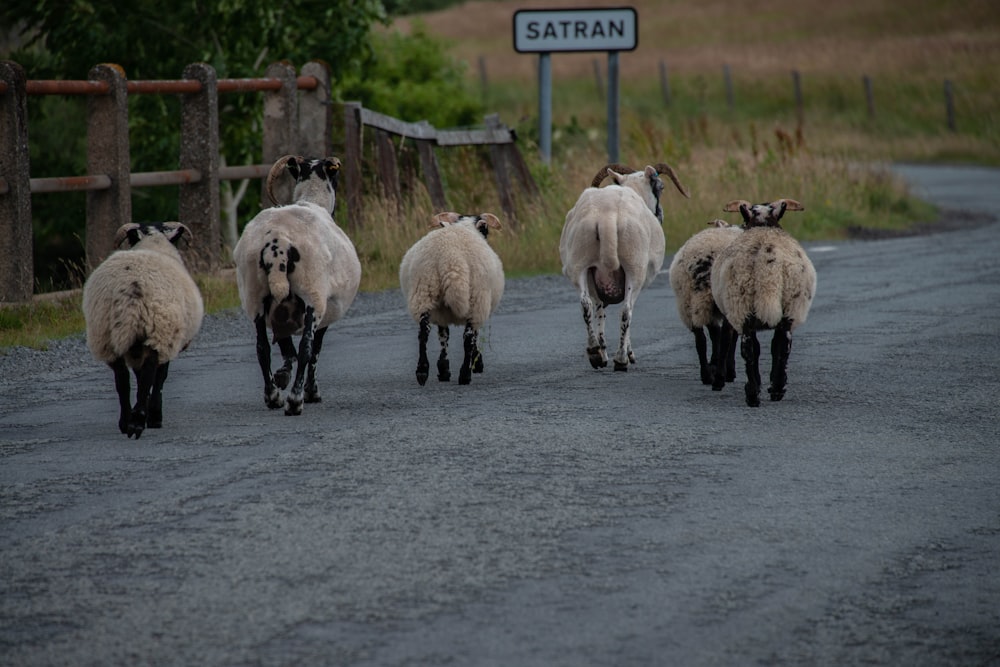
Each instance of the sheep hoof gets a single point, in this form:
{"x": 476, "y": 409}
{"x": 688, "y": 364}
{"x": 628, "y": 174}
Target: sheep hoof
{"x": 274, "y": 400}
{"x": 707, "y": 378}
{"x": 465, "y": 376}
{"x": 619, "y": 366}
{"x": 282, "y": 377}
{"x": 753, "y": 397}
{"x": 313, "y": 397}
{"x": 477, "y": 366}
{"x": 597, "y": 357}
{"x": 776, "y": 394}
{"x": 293, "y": 408}
{"x": 422, "y": 378}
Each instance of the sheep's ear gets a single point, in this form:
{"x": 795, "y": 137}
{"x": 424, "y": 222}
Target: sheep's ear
{"x": 718, "y": 222}
{"x": 444, "y": 219}
{"x": 295, "y": 166}
{"x": 734, "y": 206}
{"x": 791, "y": 204}
{"x": 485, "y": 221}
{"x": 178, "y": 233}
{"x": 128, "y": 232}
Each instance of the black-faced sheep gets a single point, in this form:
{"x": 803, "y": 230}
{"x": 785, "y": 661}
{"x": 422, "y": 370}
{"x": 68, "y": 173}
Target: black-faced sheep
{"x": 764, "y": 280}
{"x": 452, "y": 276}
{"x": 297, "y": 272}
{"x": 142, "y": 308}
{"x": 612, "y": 247}
{"x": 691, "y": 279}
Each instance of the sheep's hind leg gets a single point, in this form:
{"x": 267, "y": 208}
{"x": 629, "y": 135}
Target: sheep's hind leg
{"x": 723, "y": 355}
{"x": 625, "y": 356}
{"x": 123, "y": 385}
{"x": 596, "y": 348}
{"x": 781, "y": 347}
{"x": 471, "y": 343}
{"x": 283, "y": 375}
{"x": 145, "y": 377}
{"x": 423, "y": 365}
{"x": 444, "y": 366}
{"x": 293, "y": 402}
{"x": 750, "y": 349}
{"x": 155, "y": 417}
{"x": 706, "y": 367}
{"x": 312, "y": 387}
{"x": 272, "y": 395}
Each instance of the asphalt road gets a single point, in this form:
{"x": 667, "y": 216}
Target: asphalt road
{"x": 546, "y": 514}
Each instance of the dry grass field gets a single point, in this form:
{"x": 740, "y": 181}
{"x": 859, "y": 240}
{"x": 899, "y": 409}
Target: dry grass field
{"x": 931, "y": 39}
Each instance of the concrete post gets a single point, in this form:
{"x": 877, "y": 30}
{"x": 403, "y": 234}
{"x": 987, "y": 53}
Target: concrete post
{"x": 316, "y": 113}
{"x": 107, "y": 153}
{"x": 199, "y": 206}
{"x": 16, "y": 255}
{"x": 281, "y": 124}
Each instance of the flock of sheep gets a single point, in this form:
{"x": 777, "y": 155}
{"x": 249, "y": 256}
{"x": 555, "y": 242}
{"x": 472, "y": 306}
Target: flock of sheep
{"x": 298, "y": 272}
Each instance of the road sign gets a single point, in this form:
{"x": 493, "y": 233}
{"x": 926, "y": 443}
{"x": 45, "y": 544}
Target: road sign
{"x": 560, "y": 30}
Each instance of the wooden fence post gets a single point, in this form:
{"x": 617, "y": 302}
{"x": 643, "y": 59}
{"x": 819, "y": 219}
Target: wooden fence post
{"x": 387, "y": 168}
{"x": 199, "y": 206}
{"x": 316, "y": 113}
{"x": 949, "y": 104}
{"x": 501, "y": 172}
{"x": 281, "y": 124}
{"x": 107, "y": 153}
{"x": 16, "y": 255}
{"x": 664, "y": 83}
{"x": 727, "y": 78}
{"x": 869, "y": 96}
{"x": 431, "y": 172}
{"x": 351, "y": 182}
{"x": 797, "y": 86}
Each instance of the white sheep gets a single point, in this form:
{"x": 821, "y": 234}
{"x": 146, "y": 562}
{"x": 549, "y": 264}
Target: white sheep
{"x": 142, "y": 308}
{"x": 297, "y": 272}
{"x": 691, "y": 279}
{"x": 764, "y": 280}
{"x": 612, "y": 247}
{"x": 452, "y": 276}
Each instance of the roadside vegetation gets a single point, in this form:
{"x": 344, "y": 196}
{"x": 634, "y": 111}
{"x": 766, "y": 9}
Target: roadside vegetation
{"x": 832, "y": 156}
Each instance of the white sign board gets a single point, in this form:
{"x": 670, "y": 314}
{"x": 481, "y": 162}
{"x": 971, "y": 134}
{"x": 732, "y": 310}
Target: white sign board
{"x": 554, "y": 30}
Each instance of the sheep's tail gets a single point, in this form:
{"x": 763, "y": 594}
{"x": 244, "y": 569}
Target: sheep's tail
{"x": 275, "y": 257}
{"x": 607, "y": 239}
{"x": 608, "y": 276}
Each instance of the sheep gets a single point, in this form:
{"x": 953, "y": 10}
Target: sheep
{"x": 297, "y": 272}
{"x": 764, "y": 280}
{"x": 612, "y": 246}
{"x": 142, "y": 308}
{"x": 690, "y": 277}
{"x": 452, "y": 276}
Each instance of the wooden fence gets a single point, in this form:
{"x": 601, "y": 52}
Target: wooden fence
{"x": 298, "y": 119}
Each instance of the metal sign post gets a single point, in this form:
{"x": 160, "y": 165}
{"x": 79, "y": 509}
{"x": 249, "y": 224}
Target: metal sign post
{"x": 546, "y": 31}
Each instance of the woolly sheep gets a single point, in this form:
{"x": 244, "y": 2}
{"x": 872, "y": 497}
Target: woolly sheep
{"x": 611, "y": 247}
{"x": 452, "y": 276}
{"x": 690, "y": 277}
{"x": 297, "y": 272}
{"x": 764, "y": 280}
{"x": 142, "y": 308}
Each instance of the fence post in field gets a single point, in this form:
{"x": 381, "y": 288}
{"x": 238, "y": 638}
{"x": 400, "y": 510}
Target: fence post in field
{"x": 501, "y": 171}
{"x": 107, "y": 153}
{"x": 351, "y": 182}
{"x": 16, "y": 255}
{"x": 664, "y": 83}
{"x": 281, "y": 124}
{"x": 949, "y": 104}
{"x": 198, "y": 207}
{"x": 598, "y": 78}
{"x": 869, "y": 96}
{"x": 727, "y": 78}
{"x": 316, "y": 113}
{"x": 797, "y": 85}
